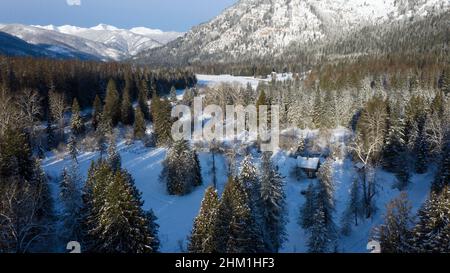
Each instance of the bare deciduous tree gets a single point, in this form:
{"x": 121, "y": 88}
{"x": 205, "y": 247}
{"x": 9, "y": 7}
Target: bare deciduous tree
{"x": 368, "y": 146}
{"x": 29, "y": 104}
{"x": 8, "y": 113}
{"x": 57, "y": 109}
{"x": 20, "y": 226}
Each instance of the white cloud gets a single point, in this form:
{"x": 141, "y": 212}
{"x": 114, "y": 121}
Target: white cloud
{"x": 73, "y": 2}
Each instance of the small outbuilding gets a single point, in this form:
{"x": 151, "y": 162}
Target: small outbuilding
{"x": 360, "y": 166}
{"x": 310, "y": 165}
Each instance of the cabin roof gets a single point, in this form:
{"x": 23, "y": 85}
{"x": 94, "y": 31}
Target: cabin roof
{"x": 311, "y": 163}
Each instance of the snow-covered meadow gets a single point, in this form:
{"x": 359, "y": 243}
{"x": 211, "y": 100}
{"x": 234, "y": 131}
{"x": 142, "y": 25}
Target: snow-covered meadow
{"x": 212, "y": 80}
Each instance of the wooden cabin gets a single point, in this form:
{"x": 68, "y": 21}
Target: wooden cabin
{"x": 310, "y": 165}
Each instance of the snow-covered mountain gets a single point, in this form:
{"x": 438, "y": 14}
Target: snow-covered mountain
{"x": 259, "y": 28}
{"x": 60, "y": 43}
{"x": 101, "y": 42}
{"x": 130, "y": 42}
{"x": 13, "y": 46}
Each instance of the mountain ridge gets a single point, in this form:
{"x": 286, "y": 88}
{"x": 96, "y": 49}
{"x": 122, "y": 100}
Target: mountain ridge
{"x": 253, "y": 29}
{"x": 101, "y": 42}
{"x": 13, "y": 46}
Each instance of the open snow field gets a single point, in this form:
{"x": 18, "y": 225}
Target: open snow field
{"x": 211, "y": 80}
{"x": 176, "y": 214}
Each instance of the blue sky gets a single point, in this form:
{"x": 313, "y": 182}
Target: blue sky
{"x": 179, "y": 15}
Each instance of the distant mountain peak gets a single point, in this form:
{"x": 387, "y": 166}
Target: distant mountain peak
{"x": 104, "y": 41}
{"x": 104, "y": 27}
{"x": 146, "y": 31}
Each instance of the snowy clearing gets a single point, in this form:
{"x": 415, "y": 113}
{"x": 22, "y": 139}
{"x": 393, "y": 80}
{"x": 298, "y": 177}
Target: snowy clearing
{"x": 176, "y": 214}
{"x": 213, "y": 80}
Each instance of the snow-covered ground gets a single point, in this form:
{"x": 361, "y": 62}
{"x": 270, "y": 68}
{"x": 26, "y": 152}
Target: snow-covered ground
{"x": 176, "y": 214}
{"x": 212, "y": 80}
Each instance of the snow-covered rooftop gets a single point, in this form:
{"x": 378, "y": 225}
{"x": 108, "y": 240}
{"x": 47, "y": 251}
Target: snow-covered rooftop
{"x": 308, "y": 162}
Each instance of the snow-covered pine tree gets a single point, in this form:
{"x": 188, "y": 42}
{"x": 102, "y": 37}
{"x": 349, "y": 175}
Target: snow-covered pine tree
{"x": 181, "y": 169}
{"x": 43, "y": 209}
{"x": 143, "y": 99}
{"x": 201, "y": 239}
{"x": 153, "y": 229}
{"x": 444, "y": 81}
{"x": 251, "y": 183}
{"x": 432, "y": 232}
{"x": 249, "y": 94}
{"x": 155, "y": 106}
{"x": 326, "y": 187}
{"x": 97, "y": 109}
{"x": 50, "y": 134}
{"x": 104, "y": 129}
{"x": 221, "y": 225}
{"x": 438, "y": 104}
{"x": 300, "y": 146}
{"x": 249, "y": 179}
{"x": 394, "y": 147}
{"x": 173, "y": 95}
{"x": 72, "y": 148}
{"x": 353, "y": 210}
{"x": 70, "y": 195}
{"x": 319, "y": 240}
{"x": 318, "y": 111}
{"x": 323, "y": 212}
{"x": 123, "y": 226}
{"x": 100, "y": 175}
{"x": 273, "y": 201}
{"x": 244, "y": 234}
{"x": 213, "y": 147}
{"x": 163, "y": 123}
{"x": 403, "y": 174}
{"x": 421, "y": 150}
{"x": 111, "y": 110}
{"x": 395, "y": 234}
{"x": 139, "y": 124}
{"x": 87, "y": 207}
{"x": 415, "y": 137}
{"x": 442, "y": 177}
{"x": 262, "y": 100}
{"x": 114, "y": 159}
{"x": 196, "y": 169}
{"x": 77, "y": 123}
{"x": 126, "y": 109}
{"x": 329, "y": 111}
{"x": 307, "y": 210}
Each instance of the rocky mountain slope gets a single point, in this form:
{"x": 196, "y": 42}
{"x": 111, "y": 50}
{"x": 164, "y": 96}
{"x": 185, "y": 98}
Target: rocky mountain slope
{"x": 257, "y": 28}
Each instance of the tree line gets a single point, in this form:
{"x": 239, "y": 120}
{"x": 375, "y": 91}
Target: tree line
{"x": 84, "y": 80}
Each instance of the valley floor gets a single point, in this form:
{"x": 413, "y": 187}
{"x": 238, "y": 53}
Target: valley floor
{"x": 176, "y": 214}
